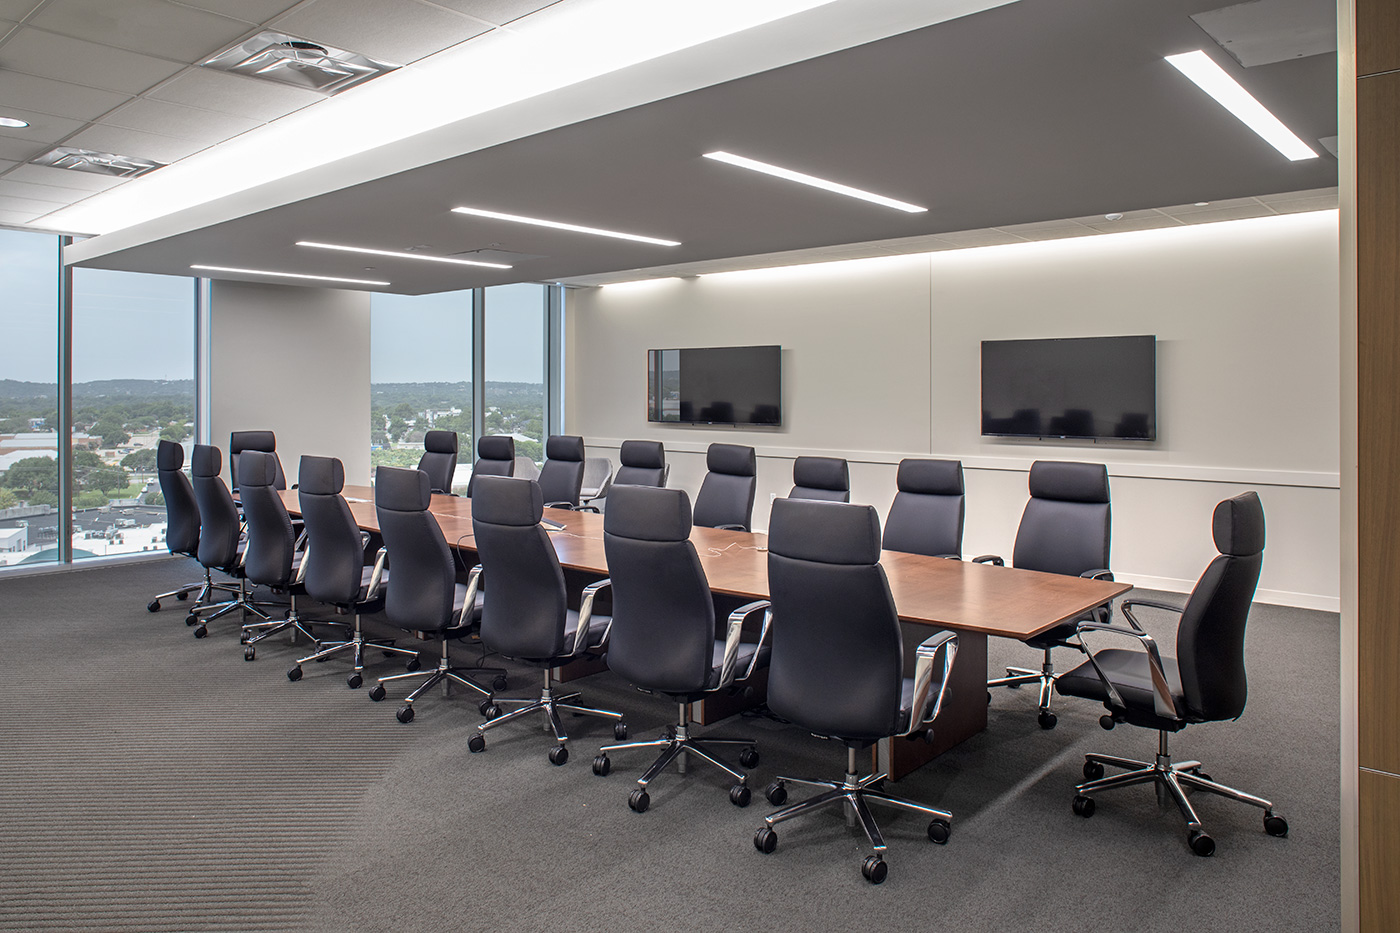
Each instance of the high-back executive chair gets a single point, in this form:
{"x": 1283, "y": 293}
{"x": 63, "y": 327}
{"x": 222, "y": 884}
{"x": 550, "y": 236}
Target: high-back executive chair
{"x": 926, "y": 516}
{"x": 426, "y": 596}
{"x": 726, "y": 495}
{"x": 265, "y": 441}
{"x": 333, "y": 568}
{"x": 837, "y": 661}
{"x": 1205, "y": 682}
{"x": 825, "y": 478}
{"x": 597, "y": 480}
{"x": 643, "y": 464}
{"x": 663, "y": 630}
{"x": 439, "y": 459}
{"x": 181, "y": 523}
{"x": 495, "y": 456}
{"x": 220, "y": 539}
{"x": 527, "y": 615}
{"x": 561, "y": 477}
{"x": 1064, "y": 529}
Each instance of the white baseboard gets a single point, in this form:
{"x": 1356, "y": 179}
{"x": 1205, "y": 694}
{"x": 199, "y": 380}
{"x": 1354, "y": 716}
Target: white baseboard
{"x": 1272, "y": 597}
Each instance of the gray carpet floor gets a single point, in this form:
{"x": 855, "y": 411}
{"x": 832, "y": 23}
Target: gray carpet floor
{"x": 152, "y": 781}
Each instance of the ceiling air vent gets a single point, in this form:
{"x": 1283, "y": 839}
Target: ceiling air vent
{"x": 98, "y": 163}
{"x": 273, "y": 56}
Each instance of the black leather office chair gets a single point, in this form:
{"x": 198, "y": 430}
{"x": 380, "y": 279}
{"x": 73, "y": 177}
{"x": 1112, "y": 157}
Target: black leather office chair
{"x": 825, "y": 478}
{"x": 597, "y": 480}
{"x": 926, "y": 516}
{"x": 220, "y": 540}
{"x": 1205, "y": 682}
{"x": 838, "y": 659}
{"x": 265, "y": 441}
{"x": 333, "y": 569}
{"x": 726, "y": 495}
{"x": 561, "y": 477}
{"x": 527, "y": 615}
{"x": 495, "y": 456}
{"x": 439, "y": 459}
{"x": 181, "y": 524}
{"x": 1064, "y": 529}
{"x": 643, "y": 464}
{"x": 426, "y": 596}
{"x": 663, "y": 630}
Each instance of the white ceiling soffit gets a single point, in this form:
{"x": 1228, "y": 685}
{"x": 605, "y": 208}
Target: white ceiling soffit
{"x": 568, "y": 63}
{"x": 1262, "y": 32}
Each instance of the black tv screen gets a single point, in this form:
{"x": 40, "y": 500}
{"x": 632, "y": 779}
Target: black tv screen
{"x": 715, "y": 385}
{"x": 1070, "y": 387}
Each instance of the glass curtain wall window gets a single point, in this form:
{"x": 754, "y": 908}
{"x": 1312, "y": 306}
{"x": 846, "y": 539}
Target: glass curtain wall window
{"x": 515, "y": 366}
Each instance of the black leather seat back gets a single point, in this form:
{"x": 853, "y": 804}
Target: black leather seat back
{"x": 524, "y": 618}
{"x": 181, "y": 509}
{"x": 837, "y": 656}
{"x": 663, "y": 629}
{"x": 439, "y": 459}
{"x": 335, "y": 552}
{"x": 1066, "y": 524}
{"x": 218, "y": 516}
{"x": 926, "y": 516}
{"x": 643, "y": 464}
{"x": 268, "y": 557}
{"x": 265, "y": 441}
{"x": 561, "y": 477}
{"x": 495, "y": 455}
{"x": 727, "y": 492}
{"x": 420, "y": 563}
{"x": 1210, "y": 637}
{"x": 826, "y": 478}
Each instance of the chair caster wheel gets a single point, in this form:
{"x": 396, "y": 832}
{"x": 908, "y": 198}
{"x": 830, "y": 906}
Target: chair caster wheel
{"x": 377, "y": 692}
{"x": 874, "y": 869}
{"x": 153, "y": 606}
{"x": 765, "y": 840}
{"x": 1107, "y": 722}
{"x": 639, "y": 800}
{"x": 620, "y": 731}
{"x": 1275, "y": 825}
{"x": 191, "y": 619}
{"x": 776, "y": 794}
{"x": 989, "y": 698}
{"x": 1092, "y": 770}
{"x": 939, "y": 831}
{"x": 1202, "y": 775}
{"x": 405, "y": 714}
{"x": 243, "y": 637}
{"x": 476, "y": 743}
{"x": 558, "y": 755}
{"x": 200, "y": 631}
{"x": 354, "y": 681}
{"x": 413, "y": 664}
{"x": 1047, "y": 719}
{"x": 500, "y": 682}
{"x": 602, "y": 765}
{"x": 249, "y": 653}
{"x": 1083, "y": 806}
{"x": 748, "y": 757}
{"x": 489, "y": 710}
{"x": 182, "y": 595}
{"x": 294, "y": 674}
{"x": 740, "y": 795}
{"x": 1200, "y": 843}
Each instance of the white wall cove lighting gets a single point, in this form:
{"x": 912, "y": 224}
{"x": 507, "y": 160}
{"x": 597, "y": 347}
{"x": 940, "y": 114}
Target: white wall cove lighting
{"x": 402, "y": 255}
{"x": 287, "y": 275}
{"x": 814, "y": 181}
{"x": 557, "y": 225}
{"x": 1212, "y": 79}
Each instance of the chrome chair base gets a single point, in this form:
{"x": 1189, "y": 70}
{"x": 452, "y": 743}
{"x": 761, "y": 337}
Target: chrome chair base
{"x": 547, "y": 703}
{"x": 677, "y": 746}
{"x": 443, "y": 672}
{"x": 1045, "y": 677}
{"x": 357, "y": 643}
{"x": 255, "y": 632}
{"x": 242, "y": 603}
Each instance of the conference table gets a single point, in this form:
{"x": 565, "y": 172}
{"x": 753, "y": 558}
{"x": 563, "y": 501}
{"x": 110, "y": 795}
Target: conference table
{"x": 974, "y": 600}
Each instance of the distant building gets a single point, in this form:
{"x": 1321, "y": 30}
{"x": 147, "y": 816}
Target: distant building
{"x": 13, "y": 540}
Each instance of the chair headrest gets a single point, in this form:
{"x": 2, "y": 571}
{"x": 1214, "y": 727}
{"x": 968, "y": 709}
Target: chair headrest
{"x": 645, "y": 455}
{"x": 648, "y": 513}
{"x": 829, "y": 532}
{"x": 931, "y": 477}
{"x": 256, "y": 468}
{"x": 507, "y": 500}
{"x": 401, "y": 490}
{"x": 1238, "y": 525}
{"x": 321, "y": 476}
{"x": 1068, "y": 481}
{"x": 821, "y": 473}
{"x": 440, "y": 442}
{"x": 733, "y": 459}
{"x": 240, "y": 441}
{"x": 564, "y": 447}
{"x": 169, "y": 456}
{"x": 495, "y": 447}
{"x": 207, "y": 460}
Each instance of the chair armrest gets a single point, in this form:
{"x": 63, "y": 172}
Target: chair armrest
{"x": 304, "y": 546}
{"x": 949, "y": 556}
{"x": 925, "y": 707}
{"x": 732, "y": 527}
{"x": 377, "y": 575}
{"x": 1101, "y": 573}
{"x": 732, "y": 638}
{"x": 589, "y": 508}
{"x": 1162, "y": 703}
{"x": 473, "y": 583}
{"x": 989, "y": 559}
{"x": 585, "y": 615}
{"x": 561, "y": 504}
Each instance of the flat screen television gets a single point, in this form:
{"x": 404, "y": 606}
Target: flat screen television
{"x": 715, "y": 385}
{"x": 1070, "y": 387}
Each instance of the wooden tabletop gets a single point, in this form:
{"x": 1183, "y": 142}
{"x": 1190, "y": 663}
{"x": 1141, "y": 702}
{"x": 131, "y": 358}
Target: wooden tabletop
{"x": 953, "y": 594}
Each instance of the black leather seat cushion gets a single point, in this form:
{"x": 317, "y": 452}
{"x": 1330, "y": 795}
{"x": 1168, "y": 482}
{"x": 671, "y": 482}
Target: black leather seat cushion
{"x": 1131, "y": 672}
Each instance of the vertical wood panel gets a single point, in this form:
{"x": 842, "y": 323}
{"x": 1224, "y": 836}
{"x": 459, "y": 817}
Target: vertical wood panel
{"x": 1380, "y": 852}
{"x": 1377, "y": 36}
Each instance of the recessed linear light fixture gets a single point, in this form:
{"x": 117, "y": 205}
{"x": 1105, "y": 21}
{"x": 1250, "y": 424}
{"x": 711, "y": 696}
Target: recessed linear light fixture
{"x": 814, "y": 181}
{"x": 402, "y": 255}
{"x": 288, "y": 275}
{"x": 14, "y": 123}
{"x": 1212, "y": 79}
{"x": 557, "y": 225}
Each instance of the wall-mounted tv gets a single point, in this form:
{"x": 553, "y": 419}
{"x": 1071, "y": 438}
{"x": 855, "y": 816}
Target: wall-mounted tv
{"x": 1070, "y": 387}
{"x": 715, "y": 385}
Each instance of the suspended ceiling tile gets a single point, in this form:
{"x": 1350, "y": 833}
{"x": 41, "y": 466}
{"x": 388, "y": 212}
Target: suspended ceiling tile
{"x": 6, "y": 165}
{"x": 1226, "y": 213}
{"x": 42, "y": 127}
{"x": 31, "y": 205}
{"x": 16, "y": 217}
{"x": 249, "y": 11}
{"x": 1298, "y": 195}
{"x": 971, "y": 238}
{"x": 496, "y": 12}
{"x": 23, "y": 189}
{"x": 158, "y": 116}
{"x": 56, "y": 97}
{"x": 215, "y": 90}
{"x": 1302, "y": 205}
{"x": 20, "y": 150}
{"x": 1050, "y": 230}
{"x": 1184, "y": 210}
{"x": 152, "y": 27}
{"x": 122, "y": 141}
{"x": 1152, "y": 220}
{"x": 47, "y": 55}
{"x": 398, "y": 31}
{"x": 16, "y": 9}
{"x": 63, "y": 178}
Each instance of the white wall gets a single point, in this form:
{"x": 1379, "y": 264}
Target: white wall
{"x": 295, "y": 361}
{"x": 881, "y": 360}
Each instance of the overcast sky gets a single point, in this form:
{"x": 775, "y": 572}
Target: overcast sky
{"x": 428, "y": 338}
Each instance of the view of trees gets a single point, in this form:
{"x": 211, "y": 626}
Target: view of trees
{"x": 399, "y": 417}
